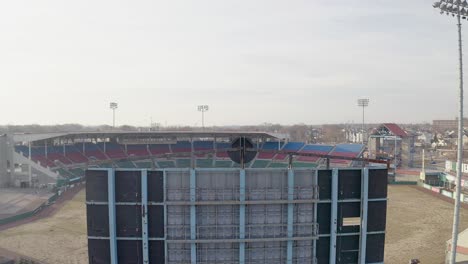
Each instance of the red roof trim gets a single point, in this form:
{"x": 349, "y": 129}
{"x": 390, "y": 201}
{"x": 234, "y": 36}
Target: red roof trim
{"x": 395, "y": 129}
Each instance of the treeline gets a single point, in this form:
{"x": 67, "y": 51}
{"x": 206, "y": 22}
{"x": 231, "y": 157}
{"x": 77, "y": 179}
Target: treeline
{"x": 34, "y": 128}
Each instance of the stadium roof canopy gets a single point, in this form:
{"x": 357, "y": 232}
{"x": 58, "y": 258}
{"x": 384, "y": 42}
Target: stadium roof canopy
{"x": 25, "y": 137}
{"x": 390, "y": 129}
{"x": 395, "y": 129}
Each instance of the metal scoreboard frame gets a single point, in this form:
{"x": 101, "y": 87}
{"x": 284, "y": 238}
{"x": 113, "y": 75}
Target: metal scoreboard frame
{"x": 234, "y": 215}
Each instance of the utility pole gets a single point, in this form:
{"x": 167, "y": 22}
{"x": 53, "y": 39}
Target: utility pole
{"x": 456, "y": 8}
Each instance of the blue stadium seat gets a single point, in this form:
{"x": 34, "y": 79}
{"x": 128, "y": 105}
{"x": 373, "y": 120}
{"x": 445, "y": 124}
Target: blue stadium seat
{"x": 156, "y": 149}
{"x": 23, "y": 149}
{"x": 182, "y": 146}
{"x": 203, "y": 145}
{"x": 317, "y": 148}
{"x": 137, "y": 150}
{"x": 92, "y": 150}
{"x": 353, "y": 148}
{"x": 222, "y": 145}
{"x": 293, "y": 146}
{"x": 272, "y": 145}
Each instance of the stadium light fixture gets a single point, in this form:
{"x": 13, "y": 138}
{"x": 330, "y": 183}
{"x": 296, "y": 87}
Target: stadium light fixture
{"x": 113, "y": 106}
{"x": 363, "y": 102}
{"x": 458, "y": 8}
{"x": 203, "y": 109}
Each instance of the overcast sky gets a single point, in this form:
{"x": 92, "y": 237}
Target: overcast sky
{"x": 250, "y": 61}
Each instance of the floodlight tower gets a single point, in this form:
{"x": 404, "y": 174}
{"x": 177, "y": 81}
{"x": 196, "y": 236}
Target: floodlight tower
{"x": 113, "y": 106}
{"x": 459, "y": 9}
{"x": 363, "y": 102}
{"x": 203, "y": 109}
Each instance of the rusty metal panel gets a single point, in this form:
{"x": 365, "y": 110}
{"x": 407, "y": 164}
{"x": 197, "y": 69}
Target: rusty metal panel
{"x": 96, "y": 186}
{"x": 324, "y": 183}
{"x": 128, "y": 186}
{"x": 378, "y": 186}
{"x": 349, "y": 184}
{"x": 97, "y": 220}
{"x": 377, "y": 216}
{"x": 128, "y": 220}
{"x": 375, "y": 248}
{"x": 129, "y": 252}
{"x": 155, "y": 186}
{"x": 98, "y": 251}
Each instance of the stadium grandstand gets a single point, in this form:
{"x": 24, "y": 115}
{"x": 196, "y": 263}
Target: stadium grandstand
{"x": 45, "y": 158}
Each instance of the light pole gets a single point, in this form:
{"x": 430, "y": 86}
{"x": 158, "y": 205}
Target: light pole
{"x": 456, "y": 8}
{"x": 113, "y": 106}
{"x": 203, "y": 109}
{"x": 364, "y": 102}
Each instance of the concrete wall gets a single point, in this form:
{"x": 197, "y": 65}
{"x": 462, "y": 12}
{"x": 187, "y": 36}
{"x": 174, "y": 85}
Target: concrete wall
{"x": 6, "y": 160}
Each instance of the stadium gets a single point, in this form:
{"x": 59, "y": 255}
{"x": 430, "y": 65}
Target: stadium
{"x": 58, "y": 161}
{"x": 43, "y": 197}
{"x": 68, "y": 155}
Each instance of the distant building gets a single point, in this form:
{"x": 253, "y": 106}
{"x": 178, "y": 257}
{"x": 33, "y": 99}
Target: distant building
{"x": 442, "y": 125}
{"x": 354, "y": 136}
{"x": 439, "y": 143}
{"x": 390, "y": 141}
{"x": 465, "y": 137}
{"x": 425, "y": 137}
{"x": 453, "y": 138}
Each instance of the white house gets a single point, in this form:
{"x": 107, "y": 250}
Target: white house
{"x": 425, "y": 137}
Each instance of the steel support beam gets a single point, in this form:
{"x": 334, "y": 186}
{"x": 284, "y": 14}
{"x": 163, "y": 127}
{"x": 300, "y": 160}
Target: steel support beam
{"x": 290, "y": 229}
{"x": 165, "y": 216}
{"x": 242, "y": 216}
{"x": 112, "y": 221}
{"x": 333, "y": 218}
{"x": 364, "y": 206}
{"x": 144, "y": 215}
{"x": 29, "y": 165}
{"x": 314, "y": 248}
{"x": 193, "y": 219}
